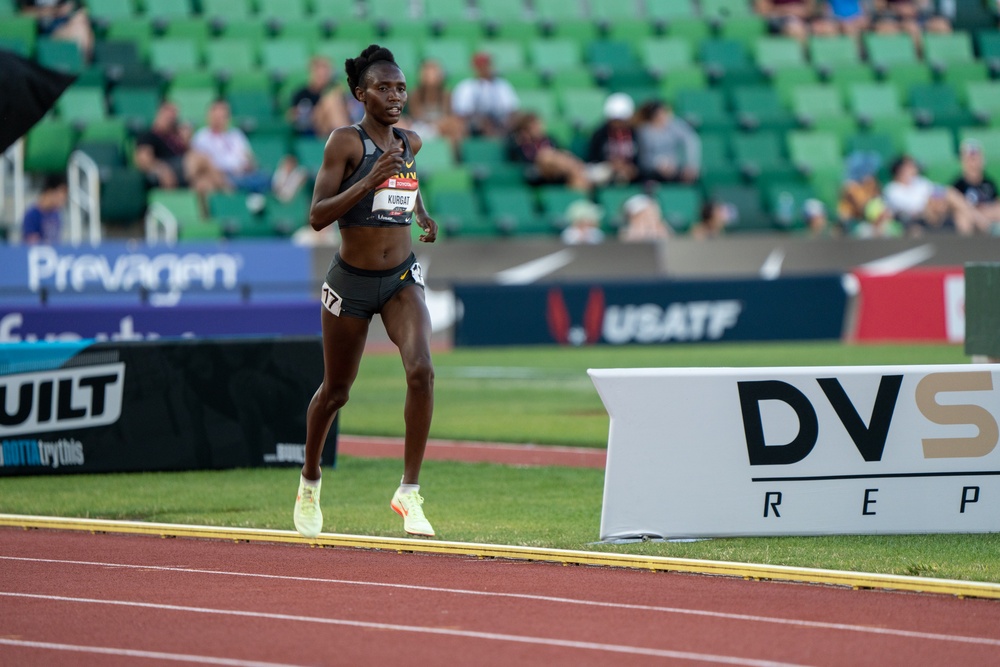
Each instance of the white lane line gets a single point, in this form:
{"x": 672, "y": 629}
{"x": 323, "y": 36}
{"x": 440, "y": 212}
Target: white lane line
{"x": 822, "y": 625}
{"x": 132, "y": 653}
{"x": 449, "y": 632}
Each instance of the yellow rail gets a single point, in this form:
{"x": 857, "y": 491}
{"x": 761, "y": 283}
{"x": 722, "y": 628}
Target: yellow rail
{"x": 563, "y": 556}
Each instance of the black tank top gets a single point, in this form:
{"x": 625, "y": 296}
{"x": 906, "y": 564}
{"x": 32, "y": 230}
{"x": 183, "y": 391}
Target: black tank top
{"x": 390, "y": 204}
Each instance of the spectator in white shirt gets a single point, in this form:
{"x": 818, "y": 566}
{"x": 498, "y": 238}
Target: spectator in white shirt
{"x": 485, "y": 101}
{"x": 229, "y": 150}
{"x": 924, "y": 205}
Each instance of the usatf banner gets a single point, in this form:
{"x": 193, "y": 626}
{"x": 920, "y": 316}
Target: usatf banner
{"x": 169, "y": 405}
{"x": 662, "y": 311}
{"x": 801, "y": 451}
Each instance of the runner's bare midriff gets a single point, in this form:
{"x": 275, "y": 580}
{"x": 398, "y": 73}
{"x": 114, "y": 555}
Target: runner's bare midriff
{"x": 375, "y": 248}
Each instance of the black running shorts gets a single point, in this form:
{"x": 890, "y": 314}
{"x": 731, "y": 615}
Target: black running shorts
{"x": 359, "y": 293}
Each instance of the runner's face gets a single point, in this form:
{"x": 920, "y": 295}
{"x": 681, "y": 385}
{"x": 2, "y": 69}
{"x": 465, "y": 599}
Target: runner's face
{"x": 385, "y": 94}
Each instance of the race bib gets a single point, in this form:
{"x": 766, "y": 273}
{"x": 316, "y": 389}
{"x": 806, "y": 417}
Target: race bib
{"x": 396, "y": 197}
{"x": 331, "y": 300}
{"x": 418, "y": 273}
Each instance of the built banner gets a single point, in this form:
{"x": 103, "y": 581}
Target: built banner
{"x": 150, "y": 406}
{"x": 801, "y": 451}
{"x": 660, "y": 311}
{"x": 919, "y": 305}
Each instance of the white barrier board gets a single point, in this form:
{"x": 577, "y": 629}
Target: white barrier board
{"x": 696, "y": 452}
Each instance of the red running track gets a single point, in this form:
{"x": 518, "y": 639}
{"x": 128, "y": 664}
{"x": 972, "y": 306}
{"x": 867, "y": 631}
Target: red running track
{"x": 81, "y": 599}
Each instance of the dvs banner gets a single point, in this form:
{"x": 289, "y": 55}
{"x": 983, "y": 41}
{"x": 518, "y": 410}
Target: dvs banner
{"x": 801, "y": 451}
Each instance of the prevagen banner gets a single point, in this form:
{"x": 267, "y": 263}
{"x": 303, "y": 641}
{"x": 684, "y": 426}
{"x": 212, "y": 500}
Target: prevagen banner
{"x": 123, "y": 272}
{"x": 139, "y": 322}
{"x": 659, "y": 311}
{"x": 801, "y": 451}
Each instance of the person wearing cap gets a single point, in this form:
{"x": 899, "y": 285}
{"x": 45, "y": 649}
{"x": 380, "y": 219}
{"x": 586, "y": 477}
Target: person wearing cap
{"x": 584, "y": 228}
{"x": 486, "y": 100}
{"x": 817, "y": 223}
{"x": 643, "y": 220}
{"x": 979, "y": 189}
{"x": 860, "y": 186}
{"x": 614, "y": 143}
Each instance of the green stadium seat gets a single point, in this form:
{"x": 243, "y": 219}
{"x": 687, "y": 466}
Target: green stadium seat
{"x": 868, "y": 142}
{"x": 253, "y": 111}
{"x": 815, "y": 152}
{"x": 829, "y": 53}
{"x": 386, "y": 13}
{"x": 105, "y": 154}
{"x": 746, "y": 203}
{"x": 848, "y": 75}
{"x": 744, "y": 29}
{"x": 680, "y": 205}
{"x": 630, "y": 29}
{"x": 664, "y": 12}
{"x": 162, "y": 12}
{"x": 717, "y": 164}
{"x": 183, "y": 205}
{"x": 907, "y": 75}
{"x": 776, "y": 53}
{"x": 571, "y": 77}
{"x": 943, "y": 50}
{"x": 760, "y": 107}
{"x": 871, "y": 101}
{"x": 113, "y": 130}
{"x": 105, "y": 12}
{"x": 223, "y": 58}
{"x": 811, "y": 103}
{"x": 937, "y": 105}
{"x": 123, "y": 195}
{"x": 81, "y": 105}
{"x": 785, "y": 202}
{"x": 334, "y": 8}
{"x": 526, "y": 33}
{"x": 582, "y": 107}
{"x": 468, "y": 30}
{"x": 281, "y": 57}
{"x": 309, "y": 152}
{"x": 553, "y": 55}
{"x": 280, "y": 12}
{"x": 192, "y": 104}
{"x": 679, "y": 79}
{"x": 932, "y": 148}
{"x": 959, "y": 75}
{"x": 661, "y": 56}
{"x": 458, "y": 178}
{"x": 482, "y": 154}
{"x": 761, "y": 154}
{"x": 360, "y": 29}
{"x": 219, "y": 12}
{"x": 194, "y": 78}
{"x": 542, "y": 101}
{"x": 453, "y": 54}
{"x": 460, "y": 214}
{"x": 48, "y": 146}
{"x": 169, "y": 56}
{"x": 606, "y": 57}
{"x": 692, "y": 28}
{"x": 436, "y": 155}
{"x": 502, "y": 13}
{"x": 115, "y": 56}
{"x": 442, "y": 13}
{"x": 138, "y": 30}
{"x": 230, "y": 212}
{"x": 554, "y": 200}
{"x": 721, "y": 10}
{"x": 252, "y": 29}
{"x": 253, "y": 81}
{"x": 22, "y": 29}
{"x": 136, "y": 106}
{"x": 583, "y": 31}
{"x": 984, "y": 100}
{"x": 60, "y": 55}
{"x": 507, "y": 56}
{"x": 338, "y": 50}
{"x": 988, "y": 48}
{"x": 607, "y": 12}
{"x": 612, "y": 198}
{"x": 512, "y": 210}
{"x": 553, "y": 12}
{"x": 786, "y": 81}
{"x": 887, "y": 50}
{"x": 15, "y": 45}
{"x": 704, "y": 109}
{"x": 269, "y": 149}
{"x": 286, "y": 217}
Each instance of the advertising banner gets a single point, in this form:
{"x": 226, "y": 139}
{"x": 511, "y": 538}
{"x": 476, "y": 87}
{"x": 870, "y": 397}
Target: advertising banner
{"x": 801, "y": 451}
{"x": 926, "y": 305}
{"x": 150, "y": 406}
{"x": 123, "y": 272}
{"x": 658, "y": 311}
{"x": 138, "y": 322}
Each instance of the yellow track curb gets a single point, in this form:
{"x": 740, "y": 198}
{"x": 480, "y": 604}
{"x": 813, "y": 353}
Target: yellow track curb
{"x": 563, "y": 556}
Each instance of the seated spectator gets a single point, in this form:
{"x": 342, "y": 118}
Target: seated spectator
{"x": 788, "y": 17}
{"x": 485, "y": 101}
{"x": 923, "y": 205}
{"x": 318, "y": 108}
{"x": 847, "y": 17}
{"x": 860, "y": 186}
{"x": 817, "y": 223}
{"x": 429, "y": 106}
{"x": 528, "y": 143}
{"x": 230, "y": 152}
{"x": 62, "y": 19}
{"x": 878, "y": 223}
{"x": 979, "y": 189}
{"x": 164, "y": 154}
{"x": 669, "y": 150}
{"x": 643, "y": 220}
{"x": 914, "y": 17}
{"x": 43, "y": 221}
{"x": 613, "y": 143}
{"x": 715, "y": 217}
{"x": 584, "y": 228}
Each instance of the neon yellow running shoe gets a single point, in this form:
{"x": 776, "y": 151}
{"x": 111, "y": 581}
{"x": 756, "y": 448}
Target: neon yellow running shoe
{"x": 408, "y": 506}
{"x": 307, "y": 515}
